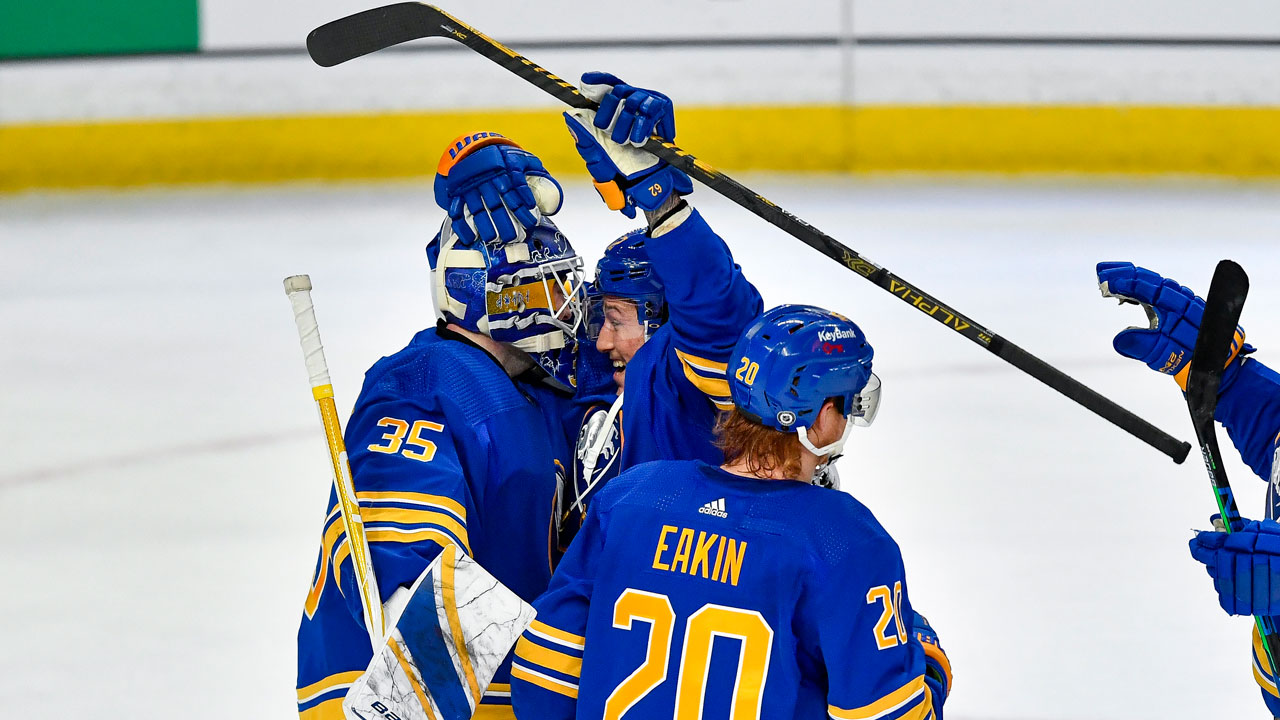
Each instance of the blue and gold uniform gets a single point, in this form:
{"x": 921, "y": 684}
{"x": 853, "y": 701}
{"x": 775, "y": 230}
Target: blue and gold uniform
{"x": 1249, "y": 409}
{"x": 691, "y": 592}
{"x": 444, "y": 448}
{"x": 676, "y": 381}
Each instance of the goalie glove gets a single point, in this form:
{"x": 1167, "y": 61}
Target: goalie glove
{"x": 1174, "y": 313}
{"x": 609, "y": 141}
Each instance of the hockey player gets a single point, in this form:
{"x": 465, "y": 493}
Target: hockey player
{"x": 1245, "y": 564}
{"x": 459, "y": 437}
{"x": 668, "y": 301}
{"x": 740, "y": 589}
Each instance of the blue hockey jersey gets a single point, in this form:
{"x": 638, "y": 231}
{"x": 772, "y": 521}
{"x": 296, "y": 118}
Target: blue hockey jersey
{"x": 676, "y": 381}
{"x": 444, "y": 448}
{"x": 676, "y": 384}
{"x": 691, "y": 592}
{"x": 1249, "y": 409}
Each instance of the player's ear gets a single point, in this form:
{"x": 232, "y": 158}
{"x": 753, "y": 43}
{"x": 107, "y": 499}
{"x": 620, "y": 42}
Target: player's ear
{"x": 827, "y": 426}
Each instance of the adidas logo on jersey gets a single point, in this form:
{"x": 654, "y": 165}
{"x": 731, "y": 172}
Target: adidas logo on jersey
{"x": 715, "y": 507}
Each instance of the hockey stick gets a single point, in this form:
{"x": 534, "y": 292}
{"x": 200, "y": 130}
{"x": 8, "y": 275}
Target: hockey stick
{"x": 365, "y": 32}
{"x": 298, "y": 288}
{"x": 1222, "y": 307}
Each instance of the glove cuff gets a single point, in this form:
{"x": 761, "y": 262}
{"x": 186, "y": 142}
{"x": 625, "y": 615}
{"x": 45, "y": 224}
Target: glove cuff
{"x": 1237, "y": 346}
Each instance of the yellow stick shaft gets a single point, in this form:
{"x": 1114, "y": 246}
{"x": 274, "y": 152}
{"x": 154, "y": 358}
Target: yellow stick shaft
{"x": 298, "y": 288}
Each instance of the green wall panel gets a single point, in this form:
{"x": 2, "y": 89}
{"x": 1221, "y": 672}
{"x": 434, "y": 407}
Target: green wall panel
{"x": 34, "y": 28}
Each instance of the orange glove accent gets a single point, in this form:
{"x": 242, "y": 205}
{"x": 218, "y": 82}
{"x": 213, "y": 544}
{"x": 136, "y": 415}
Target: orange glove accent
{"x": 1236, "y": 344}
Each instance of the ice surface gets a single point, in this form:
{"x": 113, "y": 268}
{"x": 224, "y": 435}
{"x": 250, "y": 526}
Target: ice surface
{"x": 165, "y": 473}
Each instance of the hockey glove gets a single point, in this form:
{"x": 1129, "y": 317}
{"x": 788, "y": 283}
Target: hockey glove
{"x": 1174, "y": 312}
{"x": 494, "y": 189}
{"x": 937, "y": 668}
{"x": 609, "y": 140}
{"x": 1244, "y": 565}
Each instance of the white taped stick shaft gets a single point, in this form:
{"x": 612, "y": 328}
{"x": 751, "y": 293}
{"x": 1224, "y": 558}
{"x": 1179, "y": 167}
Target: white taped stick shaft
{"x": 298, "y": 288}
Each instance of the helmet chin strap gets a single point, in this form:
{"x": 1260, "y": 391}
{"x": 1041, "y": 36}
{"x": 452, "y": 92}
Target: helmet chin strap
{"x": 832, "y": 449}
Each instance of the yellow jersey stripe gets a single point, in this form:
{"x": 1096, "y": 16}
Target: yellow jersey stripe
{"x": 556, "y": 686}
{"x": 716, "y": 388}
{"x": 413, "y": 678}
{"x": 545, "y": 657}
{"x": 892, "y": 702}
{"x": 400, "y": 535}
{"x": 412, "y": 498}
{"x": 327, "y": 710}
{"x": 494, "y": 712}
{"x": 546, "y": 632}
{"x": 455, "y": 626}
{"x": 702, "y": 365}
{"x": 1262, "y": 666}
{"x": 404, "y": 516}
{"x": 321, "y": 687}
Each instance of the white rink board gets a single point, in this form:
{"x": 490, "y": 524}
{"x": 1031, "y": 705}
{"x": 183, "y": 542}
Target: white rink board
{"x": 447, "y": 81}
{"x": 229, "y": 24}
{"x": 165, "y": 472}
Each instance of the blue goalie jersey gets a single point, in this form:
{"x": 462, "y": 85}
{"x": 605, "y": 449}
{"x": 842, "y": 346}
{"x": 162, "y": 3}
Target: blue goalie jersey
{"x": 444, "y": 448}
{"x": 694, "y": 593}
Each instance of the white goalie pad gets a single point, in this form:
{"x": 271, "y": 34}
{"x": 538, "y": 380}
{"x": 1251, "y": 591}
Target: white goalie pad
{"x": 457, "y": 627}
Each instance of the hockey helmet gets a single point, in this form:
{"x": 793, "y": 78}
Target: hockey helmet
{"x": 793, "y": 359}
{"x": 626, "y": 272}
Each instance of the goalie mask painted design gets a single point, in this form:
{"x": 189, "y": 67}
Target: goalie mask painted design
{"x": 792, "y": 360}
{"x": 528, "y": 293}
{"x": 625, "y": 272}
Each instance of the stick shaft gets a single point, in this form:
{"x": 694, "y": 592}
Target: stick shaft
{"x": 298, "y": 288}
{"x": 371, "y": 30}
{"x": 1222, "y": 308}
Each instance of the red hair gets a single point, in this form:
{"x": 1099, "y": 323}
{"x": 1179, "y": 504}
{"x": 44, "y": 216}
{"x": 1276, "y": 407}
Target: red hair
{"x": 762, "y": 449}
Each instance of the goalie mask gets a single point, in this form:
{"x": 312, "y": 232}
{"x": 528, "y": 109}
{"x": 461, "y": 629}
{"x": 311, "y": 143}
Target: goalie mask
{"x": 792, "y": 360}
{"x": 526, "y": 293}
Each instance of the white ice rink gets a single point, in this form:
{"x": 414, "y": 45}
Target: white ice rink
{"x": 164, "y": 471}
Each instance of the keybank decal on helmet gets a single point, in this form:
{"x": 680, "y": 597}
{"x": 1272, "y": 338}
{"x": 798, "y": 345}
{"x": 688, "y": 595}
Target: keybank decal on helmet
{"x": 796, "y": 357}
{"x": 528, "y": 293}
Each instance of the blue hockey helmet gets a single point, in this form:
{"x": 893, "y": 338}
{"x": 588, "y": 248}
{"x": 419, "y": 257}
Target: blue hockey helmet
{"x": 625, "y": 271}
{"x": 793, "y": 359}
{"x": 528, "y": 292}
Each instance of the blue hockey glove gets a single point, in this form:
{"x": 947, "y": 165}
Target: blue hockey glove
{"x": 1174, "y": 312}
{"x": 493, "y": 188}
{"x": 609, "y": 140}
{"x": 1244, "y": 565}
{"x": 937, "y": 668}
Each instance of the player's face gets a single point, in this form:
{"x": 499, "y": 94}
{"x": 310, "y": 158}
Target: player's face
{"x": 621, "y": 335}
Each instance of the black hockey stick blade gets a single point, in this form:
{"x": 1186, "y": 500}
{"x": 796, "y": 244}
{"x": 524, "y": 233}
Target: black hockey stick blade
{"x": 365, "y": 32}
{"x": 371, "y": 30}
{"x": 1222, "y": 308}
